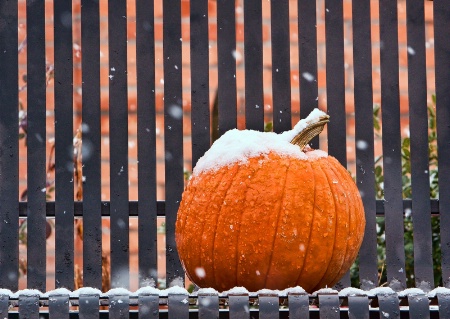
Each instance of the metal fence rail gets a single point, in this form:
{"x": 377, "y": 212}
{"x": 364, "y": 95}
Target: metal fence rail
{"x": 234, "y": 306}
{"x": 205, "y": 120}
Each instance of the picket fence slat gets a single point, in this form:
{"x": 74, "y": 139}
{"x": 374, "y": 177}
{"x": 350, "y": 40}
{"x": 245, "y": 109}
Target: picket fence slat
{"x": 36, "y": 143}
{"x": 91, "y": 144}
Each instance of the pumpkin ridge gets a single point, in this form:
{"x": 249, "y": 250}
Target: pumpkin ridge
{"x": 239, "y": 230}
{"x": 179, "y": 223}
{"x": 324, "y": 170}
{"x": 190, "y": 237}
{"x": 213, "y": 266}
{"x": 345, "y": 187}
{"x": 203, "y": 225}
{"x": 310, "y": 229}
{"x": 320, "y": 248}
{"x": 327, "y": 169}
{"x": 182, "y": 205}
{"x": 278, "y": 222}
{"x": 350, "y": 219}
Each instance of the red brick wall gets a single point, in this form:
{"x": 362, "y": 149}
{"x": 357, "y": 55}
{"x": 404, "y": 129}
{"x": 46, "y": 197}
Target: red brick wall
{"x": 213, "y": 81}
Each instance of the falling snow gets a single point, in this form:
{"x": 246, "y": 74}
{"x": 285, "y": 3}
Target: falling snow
{"x": 308, "y": 76}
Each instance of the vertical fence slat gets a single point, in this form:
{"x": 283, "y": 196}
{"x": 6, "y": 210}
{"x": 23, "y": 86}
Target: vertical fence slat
{"x": 444, "y": 306}
{"x": 226, "y": 47}
{"x": 365, "y": 177}
{"x": 389, "y": 306}
{"x": 239, "y": 307}
{"x": 442, "y": 66}
{"x": 4, "y": 306}
{"x": 173, "y": 131}
{"x": 420, "y": 182}
{"x": 392, "y": 166}
{"x": 334, "y": 33}
{"x": 28, "y": 307}
{"x": 208, "y": 306}
{"x": 64, "y": 228}
{"x": 146, "y": 130}
{"x": 418, "y": 307}
{"x": 36, "y": 135}
{"x": 118, "y": 134}
{"x": 58, "y": 307}
{"x": 329, "y": 306}
{"x": 268, "y": 307}
{"x": 253, "y": 53}
{"x": 358, "y": 307}
{"x": 298, "y": 306}
{"x": 9, "y": 164}
{"x": 119, "y": 307}
{"x": 89, "y": 306}
{"x": 178, "y": 306}
{"x": 335, "y": 79}
{"x": 200, "y": 113}
{"x": 307, "y": 30}
{"x": 148, "y": 306}
{"x": 281, "y": 68}
{"x": 91, "y": 139}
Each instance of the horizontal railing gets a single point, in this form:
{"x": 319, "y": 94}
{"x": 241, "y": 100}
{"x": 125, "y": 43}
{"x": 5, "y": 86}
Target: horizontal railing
{"x": 263, "y": 305}
{"x": 160, "y": 208}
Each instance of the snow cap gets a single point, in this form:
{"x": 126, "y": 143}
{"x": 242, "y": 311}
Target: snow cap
{"x": 237, "y": 146}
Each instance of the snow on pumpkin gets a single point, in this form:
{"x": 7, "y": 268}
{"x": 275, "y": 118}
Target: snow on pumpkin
{"x": 279, "y": 195}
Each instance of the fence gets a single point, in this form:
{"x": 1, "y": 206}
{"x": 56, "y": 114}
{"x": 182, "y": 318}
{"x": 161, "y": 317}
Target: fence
{"x": 75, "y": 181}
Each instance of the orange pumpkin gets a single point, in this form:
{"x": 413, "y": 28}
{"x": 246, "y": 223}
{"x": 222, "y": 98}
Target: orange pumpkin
{"x": 267, "y": 217}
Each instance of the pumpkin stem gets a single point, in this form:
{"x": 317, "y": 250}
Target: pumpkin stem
{"x": 311, "y": 131}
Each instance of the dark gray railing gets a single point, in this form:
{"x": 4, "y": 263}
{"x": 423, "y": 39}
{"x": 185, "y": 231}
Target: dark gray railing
{"x": 64, "y": 208}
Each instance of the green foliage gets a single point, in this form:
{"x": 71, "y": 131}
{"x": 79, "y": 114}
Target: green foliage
{"x": 407, "y": 193}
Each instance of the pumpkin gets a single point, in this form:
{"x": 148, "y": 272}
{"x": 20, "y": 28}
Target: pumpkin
{"x": 260, "y": 211}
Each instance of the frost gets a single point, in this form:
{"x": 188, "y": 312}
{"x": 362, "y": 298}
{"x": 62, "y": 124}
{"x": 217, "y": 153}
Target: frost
{"x": 57, "y": 292}
{"x": 382, "y": 291}
{"x": 207, "y": 291}
{"x": 148, "y": 290}
{"x": 237, "y": 146}
{"x": 439, "y": 290}
{"x": 324, "y": 291}
{"x": 293, "y": 290}
{"x": 175, "y": 290}
{"x": 268, "y": 292}
{"x": 6, "y": 292}
{"x": 236, "y": 291}
{"x": 27, "y": 292}
{"x": 118, "y": 292}
{"x": 411, "y": 292}
{"x": 86, "y": 291}
{"x": 350, "y": 291}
